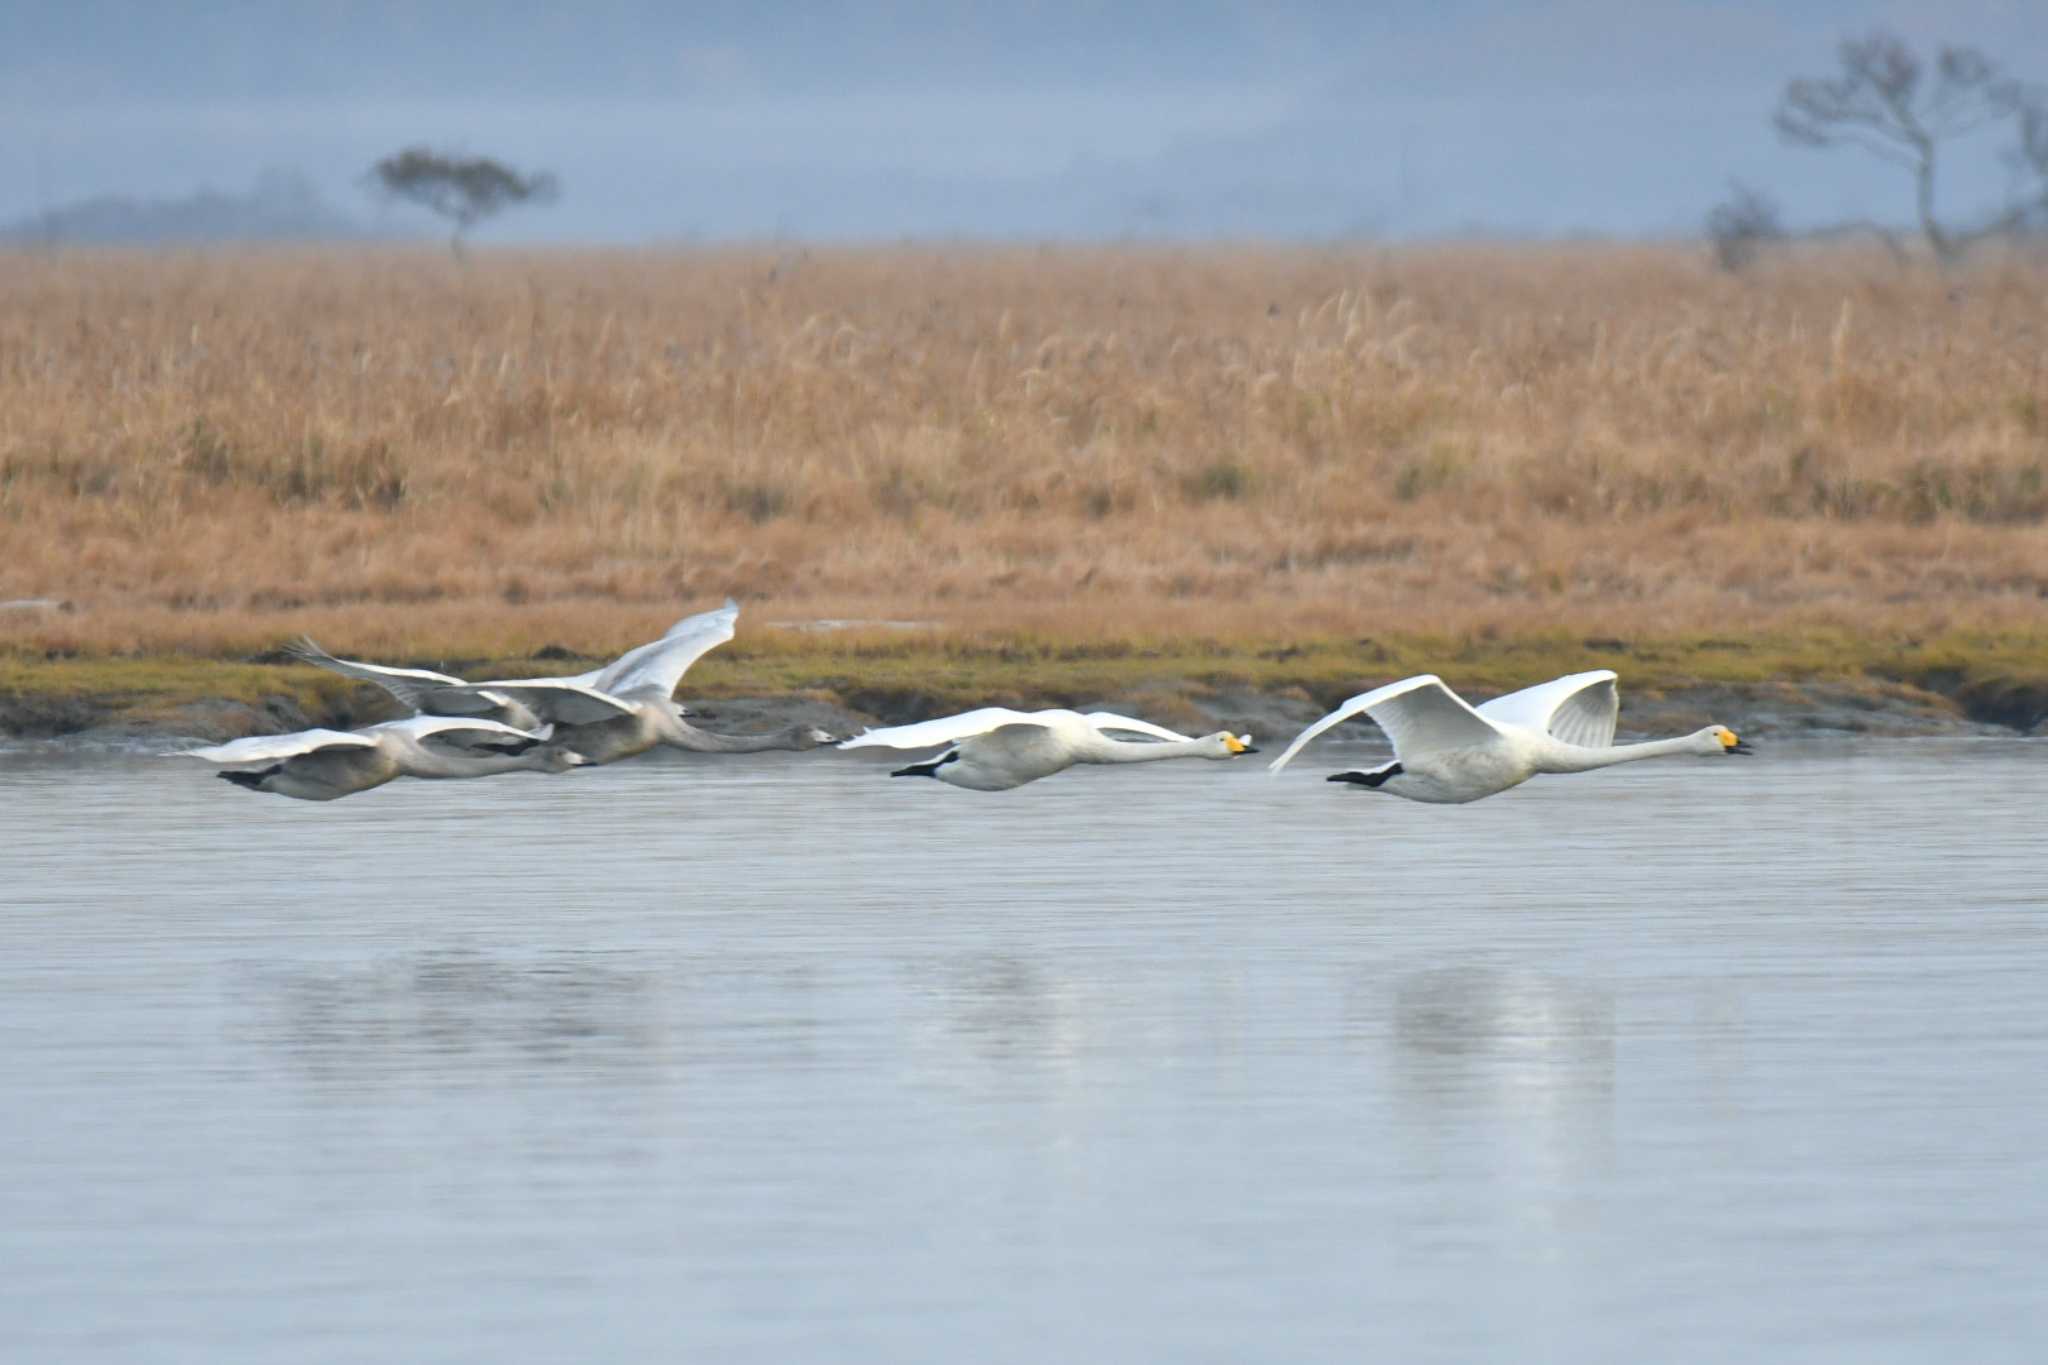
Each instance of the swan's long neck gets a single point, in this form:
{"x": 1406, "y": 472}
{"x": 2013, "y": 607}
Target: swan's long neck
{"x": 688, "y": 736}
{"x": 1559, "y": 757}
{"x": 1103, "y": 749}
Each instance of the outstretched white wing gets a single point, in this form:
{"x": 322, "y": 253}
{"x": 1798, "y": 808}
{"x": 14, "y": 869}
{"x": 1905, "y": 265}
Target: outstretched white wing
{"x": 410, "y": 685}
{"x": 1417, "y": 713}
{"x": 458, "y": 732}
{"x": 659, "y": 666}
{"x": 271, "y": 748}
{"x": 562, "y": 703}
{"x": 944, "y": 730}
{"x": 1109, "y": 720}
{"x": 729, "y": 614}
{"x": 1579, "y": 708}
{"x": 689, "y": 625}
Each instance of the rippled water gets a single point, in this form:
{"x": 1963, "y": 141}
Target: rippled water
{"x": 776, "y": 1058}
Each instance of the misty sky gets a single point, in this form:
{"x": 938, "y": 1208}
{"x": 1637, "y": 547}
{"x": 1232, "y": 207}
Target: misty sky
{"x": 1059, "y": 118}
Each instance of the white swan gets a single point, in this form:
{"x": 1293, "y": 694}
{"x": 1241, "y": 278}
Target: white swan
{"x": 995, "y": 748}
{"x": 1446, "y": 751}
{"x": 625, "y": 708}
{"x": 324, "y": 765}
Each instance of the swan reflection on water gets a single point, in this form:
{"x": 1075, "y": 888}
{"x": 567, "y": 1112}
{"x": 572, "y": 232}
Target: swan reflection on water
{"x": 1504, "y": 1013}
{"x": 1001, "y": 1005}
{"x": 428, "y": 1010}
{"x": 1515, "y": 1068}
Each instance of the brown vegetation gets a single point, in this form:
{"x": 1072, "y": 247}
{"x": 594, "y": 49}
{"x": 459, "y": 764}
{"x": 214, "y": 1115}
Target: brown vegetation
{"x": 411, "y": 457}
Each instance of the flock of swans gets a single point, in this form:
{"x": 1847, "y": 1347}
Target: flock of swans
{"x": 1446, "y": 751}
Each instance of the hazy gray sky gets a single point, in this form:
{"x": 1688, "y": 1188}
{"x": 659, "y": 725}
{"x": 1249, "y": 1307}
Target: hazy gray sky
{"x": 893, "y": 118}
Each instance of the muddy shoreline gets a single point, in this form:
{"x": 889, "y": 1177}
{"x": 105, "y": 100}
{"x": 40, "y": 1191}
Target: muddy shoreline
{"x": 1816, "y": 709}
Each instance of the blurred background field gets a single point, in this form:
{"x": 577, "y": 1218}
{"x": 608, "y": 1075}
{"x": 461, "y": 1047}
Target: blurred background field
{"x": 205, "y": 453}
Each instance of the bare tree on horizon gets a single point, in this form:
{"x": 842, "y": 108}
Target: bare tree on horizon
{"x": 464, "y": 190}
{"x": 1742, "y": 225}
{"x": 1891, "y": 103}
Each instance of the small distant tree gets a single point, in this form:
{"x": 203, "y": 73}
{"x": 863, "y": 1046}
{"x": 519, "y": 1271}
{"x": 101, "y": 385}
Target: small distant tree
{"x": 2028, "y": 163}
{"x": 464, "y": 190}
{"x": 1742, "y": 225}
{"x": 1894, "y": 105}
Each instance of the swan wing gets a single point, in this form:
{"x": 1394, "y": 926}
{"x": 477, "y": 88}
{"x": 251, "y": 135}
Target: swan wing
{"x": 272, "y": 748}
{"x": 1022, "y": 750}
{"x": 729, "y": 614}
{"x": 459, "y": 733}
{"x": 661, "y": 664}
{"x": 1417, "y": 713}
{"x": 1109, "y": 720}
{"x": 689, "y": 625}
{"x": 411, "y": 686}
{"x": 944, "y": 730}
{"x": 559, "y": 702}
{"x": 1579, "y": 708}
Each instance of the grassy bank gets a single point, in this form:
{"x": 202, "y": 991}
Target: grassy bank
{"x": 406, "y": 455}
{"x": 1076, "y": 472}
{"x": 903, "y": 674}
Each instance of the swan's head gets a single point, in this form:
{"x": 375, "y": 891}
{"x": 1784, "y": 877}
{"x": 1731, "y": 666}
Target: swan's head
{"x": 555, "y": 759}
{"x": 1719, "y": 739}
{"x": 1226, "y": 745}
{"x": 810, "y": 737}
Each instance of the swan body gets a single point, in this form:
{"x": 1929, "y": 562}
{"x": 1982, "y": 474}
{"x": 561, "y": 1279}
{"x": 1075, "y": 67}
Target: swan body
{"x": 1447, "y": 751}
{"x": 994, "y": 749}
{"x": 645, "y": 719}
{"x": 610, "y": 713}
{"x": 325, "y": 765}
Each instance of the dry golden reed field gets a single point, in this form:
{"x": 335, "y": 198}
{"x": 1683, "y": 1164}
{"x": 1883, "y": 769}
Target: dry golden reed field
{"x": 413, "y": 457}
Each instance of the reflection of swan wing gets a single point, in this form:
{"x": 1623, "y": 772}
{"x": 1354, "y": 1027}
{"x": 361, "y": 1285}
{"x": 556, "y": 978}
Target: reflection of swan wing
{"x": 944, "y": 730}
{"x": 1419, "y": 714}
{"x": 1106, "y": 720}
{"x": 1580, "y": 708}
{"x": 410, "y": 685}
{"x": 659, "y": 666}
{"x": 271, "y": 748}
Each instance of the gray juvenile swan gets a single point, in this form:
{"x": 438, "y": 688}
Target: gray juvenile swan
{"x": 325, "y": 765}
{"x": 995, "y": 748}
{"x": 1448, "y": 752}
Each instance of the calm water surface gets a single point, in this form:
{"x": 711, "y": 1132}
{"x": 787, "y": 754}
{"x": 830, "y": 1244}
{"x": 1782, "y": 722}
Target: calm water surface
{"x": 775, "y": 1058}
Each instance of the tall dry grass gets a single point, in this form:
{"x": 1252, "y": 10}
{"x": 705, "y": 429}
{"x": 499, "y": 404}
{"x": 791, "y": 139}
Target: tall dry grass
{"x": 392, "y": 449}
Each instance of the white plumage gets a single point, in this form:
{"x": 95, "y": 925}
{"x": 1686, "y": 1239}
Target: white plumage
{"x": 1447, "y": 751}
{"x": 995, "y": 748}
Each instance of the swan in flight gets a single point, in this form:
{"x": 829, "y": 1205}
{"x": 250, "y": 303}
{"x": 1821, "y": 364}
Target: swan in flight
{"x": 625, "y": 708}
{"x": 428, "y": 693}
{"x": 324, "y": 765}
{"x": 1446, "y": 751}
{"x": 995, "y": 748}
